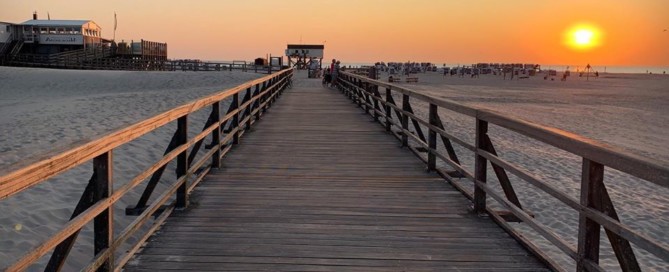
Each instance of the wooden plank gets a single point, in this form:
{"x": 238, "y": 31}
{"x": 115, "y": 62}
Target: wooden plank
{"x": 634, "y": 236}
{"x": 182, "y": 162}
{"x": 405, "y": 120}
{"x": 480, "y": 167}
{"x": 315, "y": 187}
{"x": 432, "y": 139}
{"x": 502, "y": 177}
{"x": 216, "y": 136}
{"x": 621, "y": 247}
{"x": 588, "y": 230}
{"x": 60, "y": 253}
{"x": 103, "y": 224}
{"x": 642, "y": 167}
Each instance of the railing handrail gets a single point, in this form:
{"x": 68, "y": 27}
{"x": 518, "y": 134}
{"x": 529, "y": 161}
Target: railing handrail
{"x": 20, "y": 176}
{"x": 99, "y": 196}
{"x": 614, "y": 157}
{"x": 595, "y": 207}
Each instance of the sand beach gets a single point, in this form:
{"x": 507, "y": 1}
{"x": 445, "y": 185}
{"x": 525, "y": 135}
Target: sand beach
{"x": 626, "y": 111}
{"x": 45, "y": 110}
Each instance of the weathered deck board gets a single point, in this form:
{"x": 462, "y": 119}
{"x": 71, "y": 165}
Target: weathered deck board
{"x": 316, "y": 186}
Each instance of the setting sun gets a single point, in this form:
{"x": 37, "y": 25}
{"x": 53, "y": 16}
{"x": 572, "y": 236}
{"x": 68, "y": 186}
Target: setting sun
{"x": 582, "y": 37}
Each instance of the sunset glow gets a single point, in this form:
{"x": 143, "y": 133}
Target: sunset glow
{"x": 583, "y": 37}
{"x": 620, "y": 32}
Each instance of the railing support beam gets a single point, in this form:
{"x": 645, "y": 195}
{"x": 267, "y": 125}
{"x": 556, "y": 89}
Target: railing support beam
{"x": 235, "y": 118}
{"x": 389, "y": 113}
{"x": 588, "y": 230}
{"x": 432, "y": 139}
{"x": 182, "y": 162}
{"x": 480, "y": 167}
{"x": 103, "y": 223}
{"x": 216, "y": 135}
{"x": 405, "y": 119}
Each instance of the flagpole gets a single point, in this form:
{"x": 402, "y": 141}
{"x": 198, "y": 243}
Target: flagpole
{"x": 114, "y": 38}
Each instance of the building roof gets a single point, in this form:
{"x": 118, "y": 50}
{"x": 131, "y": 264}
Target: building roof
{"x": 306, "y": 46}
{"x": 57, "y": 22}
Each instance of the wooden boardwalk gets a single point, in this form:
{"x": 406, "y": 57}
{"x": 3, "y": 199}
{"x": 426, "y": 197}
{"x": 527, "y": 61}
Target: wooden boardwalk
{"x": 317, "y": 186}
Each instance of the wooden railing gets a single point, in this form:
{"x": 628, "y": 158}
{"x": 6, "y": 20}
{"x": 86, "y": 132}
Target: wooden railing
{"x": 104, "y": 59}
{"x": 182, "y": 65}
{"x": 595, "y": 207}
{"x": 97, "y": 201}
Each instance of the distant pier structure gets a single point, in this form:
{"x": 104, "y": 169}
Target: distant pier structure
{"x": 301, "y": 56}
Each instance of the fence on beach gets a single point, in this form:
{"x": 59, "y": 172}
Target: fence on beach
{"x": 249, "y": 102}
{"x": 100, "y": 59}
{"x": 594, "y": 207}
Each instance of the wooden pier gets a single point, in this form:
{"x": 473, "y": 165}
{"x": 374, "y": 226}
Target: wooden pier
{"x": 320, "y": 181}
{"x": 315, "y": 187}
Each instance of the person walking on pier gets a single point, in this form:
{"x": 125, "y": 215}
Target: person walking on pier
{"x": 335, "y": 72}
{"x": 327, "y": 78}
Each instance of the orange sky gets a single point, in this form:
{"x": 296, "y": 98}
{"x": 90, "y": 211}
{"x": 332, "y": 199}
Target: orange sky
{"x": 439, "y": 31}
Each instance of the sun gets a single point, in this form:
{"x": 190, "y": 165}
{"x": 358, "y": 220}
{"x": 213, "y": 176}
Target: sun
{"x": 583, "y": 37}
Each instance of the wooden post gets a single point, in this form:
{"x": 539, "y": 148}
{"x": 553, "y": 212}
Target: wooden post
{"x": 265, "y": 97}
{"x": 375, "y": 91}
{"x": 182, "y": 162}
{"x": 235, "y": 118}
{"x": 357, "y": 92}
{"x": 216, "y": 136}
{"x": 274, "y": 93}
{"x": 361, "y": 95}
{"x": 405, "y": 119}
{"x": 259, "y": 100}
{"x": 346, "y": 87}
{"x": 592, "y": 179}
{"x": 103, "y": 224}
{"x": 480, "y": 167}
{"x": 352, "y": 89}
{"x": 389, "y": 113}
{"x": 432, "y": 139}
{"x": 249, "y": 108}
{"x": 367, "y": 94}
